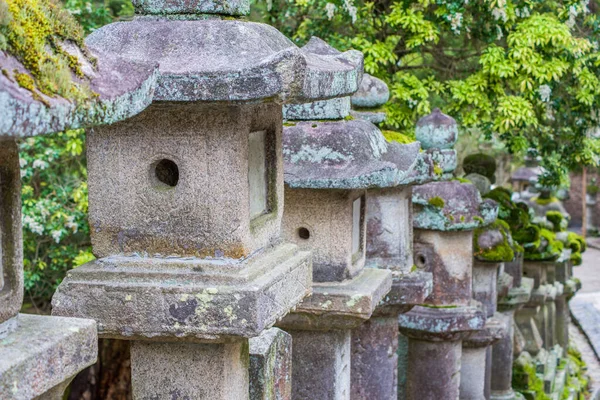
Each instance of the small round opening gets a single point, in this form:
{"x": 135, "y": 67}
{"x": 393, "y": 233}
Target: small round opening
{"x": 304, "y": 233}
{"x": 167, "y": 172}
{"x": 421, "y": 260}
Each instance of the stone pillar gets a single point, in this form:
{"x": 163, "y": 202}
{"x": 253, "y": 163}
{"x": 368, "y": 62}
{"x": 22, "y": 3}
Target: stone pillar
{"x": 503, "y": 350}
{"x": 39, "y": 355}
{"x": 492, "y": 246}
{"x": 329, "y": 161}
{"x": 445, "y": 214}
{"x": 271, "y": 366}
{"x": 389, "y": 245}
{"x": 530, "y": 319}
{"x": 186, "y": 199}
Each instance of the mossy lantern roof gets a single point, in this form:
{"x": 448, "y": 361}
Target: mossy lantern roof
{"x": 451, "y": 206}
{"x": 51, "y": 81}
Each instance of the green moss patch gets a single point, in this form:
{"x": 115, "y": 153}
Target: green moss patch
{"x": 481, "y": 164}
{"x": 549, "y": 248}
{"x": 558, "y": 220}
{"x": 33, "y": 31}
{"x": 502, "y": 251}
{"x": 393, "y": 136}
{"x": 544, "y": 201}
{"x": 437, "y": 202}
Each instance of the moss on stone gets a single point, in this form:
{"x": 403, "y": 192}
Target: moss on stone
{"x": 393, "y": 136}
{"x": 35, "y": 32}
{"x": 502, "y": 251}
{"x": 24, "y": 80}
{"x": 349, "y": 118}
{"x": 289, "y": 124}
{"x": 528, "y": 236}
{"x": 478, "y": 219}
{"x": 461, "y": 180}
{"x": 544, "y": 201}
{"x": 557, "y": 219}
{"x": 549, "y": 248}
{"x": 576, "y": 259}
{"x": 437, "y": 202}
{"x": 525, "y": 379}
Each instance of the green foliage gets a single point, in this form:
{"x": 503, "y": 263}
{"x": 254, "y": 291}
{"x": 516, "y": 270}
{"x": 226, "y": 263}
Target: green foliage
{"x": 481, "y": 164}
{"x": 503, "y": 251}
{"x": 55, "y": 205}
{"x": 525, "y": 72}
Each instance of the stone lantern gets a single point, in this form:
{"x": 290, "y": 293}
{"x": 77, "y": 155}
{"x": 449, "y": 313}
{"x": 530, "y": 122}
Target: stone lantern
{"x": 40, "y": 355}
{"x": 492, "y": 246}
{"x": 186, "y": 198}
{"x": 330, "y": 160}
{"x": 390, "y": 246}
{"x": 445, "y": 215}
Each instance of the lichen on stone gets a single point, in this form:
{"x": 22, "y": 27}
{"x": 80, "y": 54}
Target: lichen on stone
{"x": 36, "y": 32}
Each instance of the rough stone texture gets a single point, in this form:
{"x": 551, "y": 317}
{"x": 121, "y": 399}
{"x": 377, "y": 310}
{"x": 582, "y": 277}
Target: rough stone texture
{"x": 449, "y": 257}
{"x": 337, "y": 108}
{"x": 231, "y": 60}
{"x": 372, "y": 117}
{"x": 372, "y": 93}
{"x": 515, "y": 268}
{"x": 271, "y": 366}
{"x": 407, "y": 291}
{"x": 340, "y": 305}
{"x": 43, "y": 353}
{"x": 528, "y": 329}
{"x": 375, "y": 359}
{"x": 389, "y": 229}
{"x": 434, "y": 370}
{"x": 207, "y": 213}
{"x": 441, "y": 324}
{"x": 181, "y": 371}
{"x": 11, "y": 247}
{"x": 472, "y": 373}
{"x": 344, "y": 155}
{"x": 321, "y": 365}
{"x": 166, "y": 7}
{"x": 437, "y": 130}
{"x": 186, "y": 299}
{"x": 484, "y": 285}
{"x": 451, "y": 205}
{"x": 502, "y": 362}
{"x": 327, "y": 217}
{"x": 481, "y": 183}
{"x": 124, "y": 88}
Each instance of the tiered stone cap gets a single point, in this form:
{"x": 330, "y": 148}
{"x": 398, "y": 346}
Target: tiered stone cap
{"x": 437, "y": 130}
{"x": 231, "y": 60}
{"x": 122, "y": 89}
{"x": 451, "y": 206}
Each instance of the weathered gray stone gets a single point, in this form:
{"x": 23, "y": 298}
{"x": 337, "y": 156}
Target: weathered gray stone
{"x": 321, "y": 365}
{"x": 231, "y": 60}
{"x": 344, "y": 155}
{"x": 337, "y": 108}
{"x": 440, "y": 323}
{"x": 43, "y": 353}
{"x": 372, "y": 93}
{"x": 271, "y": 366}
{"x": 371, "y": 116}
{"x": 216, "y": 371}
{"x": 502, "y": 362}
{"x": 186, "y": 299}
{"x": 323, "y": 222}
{"x": 206, "y": 211}
{"x": 340, "y": 305}
{"x": 484, "y": 285}
{"x": 26, "y": 114}
{"x": 176, "y": 7}
{"x": 436, "y": 130}
{"x": 481, "y": 183}
{"x": 11, "y": 247}
{"x": 448, "y": 206}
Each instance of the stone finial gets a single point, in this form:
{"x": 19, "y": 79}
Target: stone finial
{"x": 451, "y": 206}
{"x": 367, "y": 101}
{"x": 437, "y": 130}
{"x": 372, "y": 93}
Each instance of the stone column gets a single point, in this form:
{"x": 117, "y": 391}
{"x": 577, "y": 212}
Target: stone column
{"x": 492, "y": 246}
{"x": 445, "y": 214}
{"x": 390, "y": 246}
{"x": 186, "y": 199}
{"x": 503, "y": 350}
{"x": 39, "y": 355}
{"x": 329, "y": 161}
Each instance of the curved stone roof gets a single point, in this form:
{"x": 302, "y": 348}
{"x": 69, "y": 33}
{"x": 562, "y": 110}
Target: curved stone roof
{"x": 231, "y": 60}
{"x": 451, "y": 206}
{"x": 123, "y": 88}
{"x": 344, "y": 155}
{"x": 372, "y": 93}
